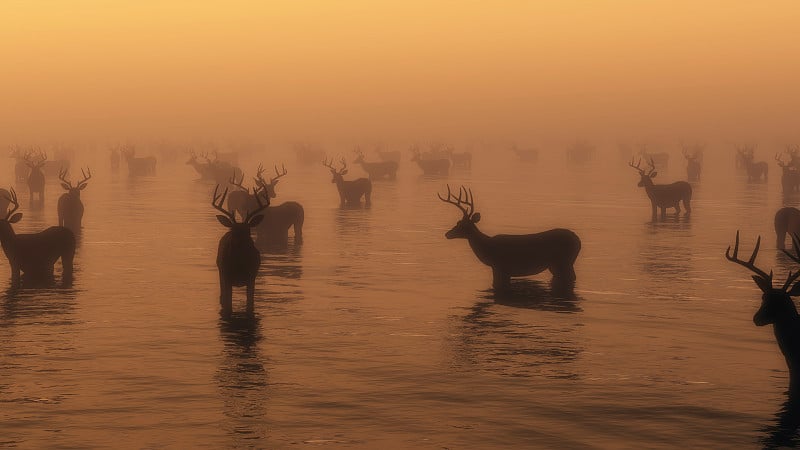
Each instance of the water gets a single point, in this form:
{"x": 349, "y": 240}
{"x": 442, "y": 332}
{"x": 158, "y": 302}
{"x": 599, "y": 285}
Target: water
{"x": 380, "y": 332}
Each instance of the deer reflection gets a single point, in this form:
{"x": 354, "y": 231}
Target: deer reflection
{"x": 242, "y": 381}
{"x": 532, "y": 294}
{"x": 36, "y": 303}
{"x": 284, "y": 262}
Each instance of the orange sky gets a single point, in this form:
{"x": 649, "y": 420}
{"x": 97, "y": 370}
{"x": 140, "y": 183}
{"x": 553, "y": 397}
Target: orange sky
{"x": 367, "y": 69}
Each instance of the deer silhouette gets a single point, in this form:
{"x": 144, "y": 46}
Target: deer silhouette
{"x": 238, "y": 259}
{"x": 787, "y": 220}
{"x": 515, "y": 255}
{"x": 777, "y": 308}
{"x": 36, "y": 177}
{"x": 20, "y": 164}
{"x": 434, "y": 166}
{"x": 755, "y": 170}
{"x": 350, "y": 192}
{"x": 663, "y": 196}
{"x": 790, "y": 176}
{"x": 70, "y": 206}
{"x": 138, "y": 166}
{"x": 461, "y": 160}
{"x": 694, "y": 157}
{"x": 660, "y": 160}
{"x": 274, "y": 229}
{"x": 389, "y": 155}
{"x": 376, "y": 170}
{"x": 35, "y": 254}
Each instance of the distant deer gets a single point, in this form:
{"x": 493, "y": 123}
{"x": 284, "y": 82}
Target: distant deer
{"x": 35, "y": 254}
{"x": 70, "y": 207}
{"x": 114, "y": 159}
{"x": 438, "y": 166}
{"x": 693, "y": 162}
{"x": 526, "y": 154}
{"x": 660, "y": 160}
{"x": 389, "y": 155}
{"x": 790, "y": 176}
{"x": 787, "y": 221}
{"x": 663, "y": 196}
{"x": 350, "y": 192}
{"x": 5, "y": 200}
{"x": 308, "y": 154}
{"x": 460, "y": 159}
{"x": 580, "y": 152}
{"x": 138, "y": 166}
{"x": 274, "y": 230}
{"x": 376, "y": 170}
{"x": 755, "y": 170}
{"x": 238, "y": 259}
{"x": 515, "y": 255}
{"x": 20, "y": 164}
{"x": 777, "y": 308}
{"x": 36, "y": 177}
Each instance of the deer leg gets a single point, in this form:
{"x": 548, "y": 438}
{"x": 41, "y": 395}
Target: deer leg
{"x": 663, "y": 212}
{"x": 66, "y": 266}
{"x": 654, "y": 210}
{"x": 367, "y": 198}
{"x": 677, "y": 208}
{"x": 251, "y": 293}
{"x": 687, "y": 205}
{"x": 500, "y": 280}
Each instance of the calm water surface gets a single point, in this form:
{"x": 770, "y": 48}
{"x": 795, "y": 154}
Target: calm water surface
{"x": 379, "y": 332}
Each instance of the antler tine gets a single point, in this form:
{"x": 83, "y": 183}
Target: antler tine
{"x": 62, "y": 175}
{"x": 13, "y": 200}
{"x": 453, "y": 201}
{"x": 85, "y": 178}
{"x": 261, "y": 206}
{"x": 278, "y": 174}
{"x": 218, "y": 205}
{"x": 637, "y": 166}
{"x": 750, "y": 264}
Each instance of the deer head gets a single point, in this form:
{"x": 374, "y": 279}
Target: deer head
{"x": 269, "y": 188}
{"x": 9, "y": 218}
{"x": 776, "y": 303}
{"x": 338, "y": 174}
{"x": 465, "y": 227}
{"x": 67, "y": 185}
{"x": 239, "y": 230}
{"x": 646, "y": 175}
{"x": 359, "y": 156}
{"x": 36, "y": 164}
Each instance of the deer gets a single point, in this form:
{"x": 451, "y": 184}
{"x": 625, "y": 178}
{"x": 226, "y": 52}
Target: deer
{"x": 376, "y": 170}
{"x": 350, "y": 192}
{"x": 438, "y": 166}
{"x": 777, "y": 307}
{"x": 660, "y": 159}
{"x": 20, "y": 164}
{"x": 36, "y": 177}
{"x": 238, "y": 259}
{"x": 755, "y": 170}
{"x": 580, "y": 152}
{"x": 514, "y": 255}
{"x": 663, "y": 196}
{"x": 525, "y": 154}
{"x": 308, "y": 154}
{"x": 138, "y": 166}
{"x": 460, "y": 159}
{"x": 114, "y": 159}
{"x": 240, "y": 201}
{"x": 70, "y": 207}
{"x": 389, "y": 155}
{"x": 35, "y": 254}
{"x": 693, "y": 161}
{"x": 787, "y": 220}
{"x": 274, "y": 230}
{"x": 790, "y": 176}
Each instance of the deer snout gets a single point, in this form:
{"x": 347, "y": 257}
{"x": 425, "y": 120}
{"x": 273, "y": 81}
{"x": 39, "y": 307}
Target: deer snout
{"x": 760, "y": 318}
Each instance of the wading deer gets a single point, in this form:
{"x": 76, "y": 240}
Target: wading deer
{"x": 663, "y": 196}
{"x": 777, "y": 308}
{"x": 515, "y": 255}
{"x": 35, "y": 254}
{"x": 377, "y": 170}
{"x": 660, "y": 160}
{"x": 461, "y": 160}
{"x": 36, "y": 177}
{"x": 350, "y": 192}
{"x": 70, "y": 206}
{"x": 437, "y": 166}
{"x": 138, "y": 166}
{"x": 238, "y": 259}
{"x": 389, "y": 155}
{"x": 693, "y": 162}
{"x": 787, "y": 221}
{"x": 20, "y": 164}
{"x": 790, "y": 176}
{"x": 308, "y": 154}
{"x": 579, "y": 153}
{"x": 755, "y": 170}
{"x": 274, "y": 229}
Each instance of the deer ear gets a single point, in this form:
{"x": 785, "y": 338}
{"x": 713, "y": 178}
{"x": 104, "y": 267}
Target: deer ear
{"x": 344, "y": 172}
{"x": 225, "y": 221}
{"x": 82, "y": 187}
{"x": 476, "y": 218}
{"x": 276, "y": 182}
{"x": 15, "y": 218}
{"x": 255, "y": 221}
{"x": 764, "y": 285}
{"x": 795, "y": 290}
{"x": 653, "y": 175}
{"x": 65, "y": 186}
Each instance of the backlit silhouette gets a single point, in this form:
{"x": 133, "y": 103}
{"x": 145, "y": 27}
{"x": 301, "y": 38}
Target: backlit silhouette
{"x": 462, "y": 160}
{"x": 377, "y": 170}
{"x": 515, "y": 255}
{"x": 274, "y": 229}
{"x": 36, "y": 177}
{"x": 138, "y": 166}
{"x": 350, "y": 192}
{"x": 20, "y": 164}
{"x": 694, "y": 160}
{"x": 790, "y": 176}
{"x": 35, "y": 254}
{"x": 432, "y": 166}
{"x": 663, "y": 196}
{"x": 70, "y": 207}
{"x": 787, "y": 220}
{"x": 745, "y": 156}
{"x": 238, "y": 259}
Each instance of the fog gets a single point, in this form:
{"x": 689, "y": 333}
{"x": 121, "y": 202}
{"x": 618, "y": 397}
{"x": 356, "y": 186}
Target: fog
{"x": 520, "y": 71}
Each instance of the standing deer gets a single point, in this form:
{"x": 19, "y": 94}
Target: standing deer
{"x": 787, "y": 221}
{"x": 777, "y": 308}
{"x": 755, "y": 170}
{"x": 20, "y": 164}
{"x": 515, "y": 255}
{"x": 437, "y": 166}
{"x": 460, "y": 159}
{"x": 389, "y": 155}
{"x": 238, "y": 259}
{"x": 35, "y": 254}
{"x": 70, "y": 207}
{"x": 274, "y": 230}
{"x": 693, "y": 162}
{"x": 790, "y": 176}
{"x": 660, "y": 160}
{"x": 350, "y": 192}
{"x": 377, "y": 170}
{"x": 663, "y": 196}
{"x": 138, "y": 166}
{"x": 36, "y": 177}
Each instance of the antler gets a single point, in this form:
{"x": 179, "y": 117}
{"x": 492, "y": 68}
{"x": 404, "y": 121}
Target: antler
{"x": 278, "y": 174}
{"x": 795, "y": 258}
{"x": 750, "y": 264}
{"x": 218, "y": 201}
{"x": 261, "y": 206}
{"x": 344, "y": 164}
{"x": 459, "y": 201}
{"x": 232, "y": 181}
{"x": 328, "y": 164}
{"x": 85, "y": 178}
{"x": 780, "y": 161}
{"x": 62, "y": 175}
{"x": 13, "y": 200}
{"x": 637, "y": 166}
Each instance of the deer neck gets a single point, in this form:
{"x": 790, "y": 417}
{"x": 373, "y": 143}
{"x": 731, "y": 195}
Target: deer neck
{"x": 479, "y": 243}
{"x": 7, "y": 235}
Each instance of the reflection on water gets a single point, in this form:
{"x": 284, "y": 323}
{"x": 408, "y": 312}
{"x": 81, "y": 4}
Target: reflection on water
{"x": 783, "y": 431}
